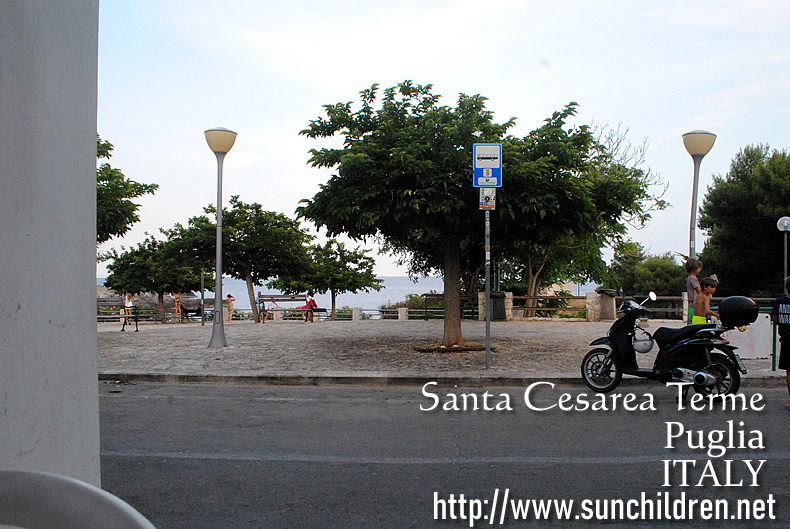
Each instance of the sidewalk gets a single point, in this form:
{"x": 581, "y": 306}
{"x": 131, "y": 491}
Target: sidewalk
{"x": 364, "y": 352}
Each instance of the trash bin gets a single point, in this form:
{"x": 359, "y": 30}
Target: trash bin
{"x": 498, "y": 312}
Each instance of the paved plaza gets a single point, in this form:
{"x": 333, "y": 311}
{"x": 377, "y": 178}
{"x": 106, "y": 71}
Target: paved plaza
{"x": 365, "y": 352}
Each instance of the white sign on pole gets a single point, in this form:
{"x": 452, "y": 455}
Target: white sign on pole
{"x": 487, "y": 164}
{"x": 487, "y": 198}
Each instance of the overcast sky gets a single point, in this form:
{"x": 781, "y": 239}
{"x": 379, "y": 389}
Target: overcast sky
{"x": 168, "y": 70}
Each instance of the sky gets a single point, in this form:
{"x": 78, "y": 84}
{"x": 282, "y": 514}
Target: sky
{"x": 170, "y": 69}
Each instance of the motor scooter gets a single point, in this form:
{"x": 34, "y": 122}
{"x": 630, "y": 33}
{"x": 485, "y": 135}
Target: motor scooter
{"x": 696, "y": 354}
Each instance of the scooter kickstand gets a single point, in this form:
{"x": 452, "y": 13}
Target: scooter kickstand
{"x": 685, "y": 394}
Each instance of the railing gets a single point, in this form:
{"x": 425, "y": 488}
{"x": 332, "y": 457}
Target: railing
{"x": 671, "y": 307}
{"x": 363, "y": 314}
{"x": 665, "y": 307}
{"x": 434, "y": 307}
{"x": 112, "y": 307}
{"x": 548, "y": 305}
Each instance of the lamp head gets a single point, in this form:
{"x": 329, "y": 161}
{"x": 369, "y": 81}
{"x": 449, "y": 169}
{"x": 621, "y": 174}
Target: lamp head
{"x": 783, "y": 224}
{"x": 220, "y": 140}
{"x": 699, "y": 142}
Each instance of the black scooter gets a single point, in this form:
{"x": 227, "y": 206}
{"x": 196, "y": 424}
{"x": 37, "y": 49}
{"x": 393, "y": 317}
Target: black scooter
{"x": 696, "y": 354}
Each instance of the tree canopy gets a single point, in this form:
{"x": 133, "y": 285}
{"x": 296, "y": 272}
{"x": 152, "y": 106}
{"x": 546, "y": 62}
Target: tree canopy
{"x": 636, "y": 272}
{"x": 568, "y": 194}
{"x": 153, "y": 266}
{"x": 115, "y": 211}
{"x": 739, "y": 214}
{"x": 257, "y": 245}
{"x": 404, "y": 174}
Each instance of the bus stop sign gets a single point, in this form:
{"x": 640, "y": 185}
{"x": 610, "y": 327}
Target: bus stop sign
{"x": 487, "y": 164}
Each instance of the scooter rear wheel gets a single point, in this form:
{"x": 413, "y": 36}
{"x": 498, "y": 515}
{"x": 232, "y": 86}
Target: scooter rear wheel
{"x": 600, "y": 373}
{"x": 728, "y": 379}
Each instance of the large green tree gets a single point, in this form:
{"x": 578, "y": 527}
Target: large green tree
{"x": 334, "y": 269}
{"x": 739, "y": 215}
{"x": 404, "y": 174}
{"x": 628, "y": 255}
{"x": 662, "y": 274}
{"x": 257, "y": 245}
{"x": 115, "y": 210}
{"x": 633, "y": 271}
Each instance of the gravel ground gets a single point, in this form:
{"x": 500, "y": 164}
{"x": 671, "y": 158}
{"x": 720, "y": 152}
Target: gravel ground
{"x": 373, "y": 348}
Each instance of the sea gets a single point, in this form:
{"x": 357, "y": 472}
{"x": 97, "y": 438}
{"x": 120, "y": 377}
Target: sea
{"x": 396, "y": 289}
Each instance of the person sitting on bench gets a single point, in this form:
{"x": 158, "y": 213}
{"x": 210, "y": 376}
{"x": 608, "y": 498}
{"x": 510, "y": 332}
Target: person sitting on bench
{"x": 311, "y": 304}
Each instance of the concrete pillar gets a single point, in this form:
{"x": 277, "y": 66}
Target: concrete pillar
{"x": 403, "y": 313}
{"x": 356, "y": 314}
{"x": 508, "y": 306}
{"x": 49, "y": 413}
{"x": 593, "y": 306}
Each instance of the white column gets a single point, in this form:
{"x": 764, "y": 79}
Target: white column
{"x": 49, "y": 414}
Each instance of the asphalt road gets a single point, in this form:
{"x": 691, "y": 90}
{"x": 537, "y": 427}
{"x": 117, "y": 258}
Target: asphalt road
{"x": 202, "y": 456}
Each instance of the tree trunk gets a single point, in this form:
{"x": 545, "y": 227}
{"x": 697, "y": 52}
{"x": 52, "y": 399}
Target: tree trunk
{"x": 452, "y": 293}
{"x": 161, "y": 296}
{"x": 251, "y": 294}
{"x": 534, "y": 273}
{"x": 334, "y": 298}
{"x": 532, "y": 294}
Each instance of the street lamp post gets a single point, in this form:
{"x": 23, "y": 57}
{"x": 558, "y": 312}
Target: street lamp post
{"x": 784, "y": 226}
{"x": 698, "y": 143}
{"x": 220, "y": 142}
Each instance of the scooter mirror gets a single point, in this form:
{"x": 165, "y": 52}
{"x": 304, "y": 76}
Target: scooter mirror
{"x": 651, "y": 296}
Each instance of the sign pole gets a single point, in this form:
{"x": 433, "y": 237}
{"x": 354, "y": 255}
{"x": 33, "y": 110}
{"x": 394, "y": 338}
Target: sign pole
{"x": 487, "y": 175}
{"x": 488, "y": 288}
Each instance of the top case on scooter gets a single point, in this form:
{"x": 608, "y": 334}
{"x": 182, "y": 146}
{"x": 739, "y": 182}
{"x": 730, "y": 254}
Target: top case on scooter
{"x": 737, "y": 311}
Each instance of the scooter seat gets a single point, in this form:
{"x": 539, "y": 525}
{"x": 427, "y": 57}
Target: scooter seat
{"x": 667, "y": 335}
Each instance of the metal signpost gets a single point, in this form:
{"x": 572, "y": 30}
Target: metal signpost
{"x": 487, "y": 175}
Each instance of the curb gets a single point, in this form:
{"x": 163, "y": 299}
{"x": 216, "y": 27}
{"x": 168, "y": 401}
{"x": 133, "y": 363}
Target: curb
{"x": 384, "y": 379}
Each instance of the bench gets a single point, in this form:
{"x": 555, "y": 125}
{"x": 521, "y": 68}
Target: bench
{"x": 109, "y": 309}
{"x": 187, "y": 313}
{"x": 278, "y": 313}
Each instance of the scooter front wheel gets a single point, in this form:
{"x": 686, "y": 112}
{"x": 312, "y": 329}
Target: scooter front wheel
{"x": 600, "y": 371}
